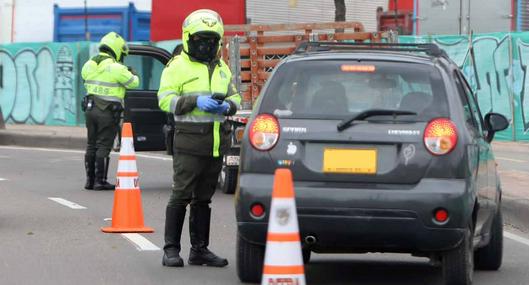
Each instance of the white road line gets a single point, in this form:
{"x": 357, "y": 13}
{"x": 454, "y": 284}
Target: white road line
{"x": 67, "y": 203}
{"x": 516, "y": 238}
{"x": 3, "y": 179}
{"x": 510, "y": 159}
{"x": 164, "y": 158}
{"x": 141, "y": 243}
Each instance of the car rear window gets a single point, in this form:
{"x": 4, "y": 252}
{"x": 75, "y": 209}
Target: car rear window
{"x": 339, "y": 89}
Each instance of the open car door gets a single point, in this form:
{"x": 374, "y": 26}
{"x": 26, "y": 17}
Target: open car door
{"x": 141, "y": 104}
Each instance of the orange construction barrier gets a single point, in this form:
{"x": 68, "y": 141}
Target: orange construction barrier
{"x": 283, "y": 259}
{"x": 127, "y": 213}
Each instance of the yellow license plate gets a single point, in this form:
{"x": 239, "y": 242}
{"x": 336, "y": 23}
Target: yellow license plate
{"x": 358, "y": 161}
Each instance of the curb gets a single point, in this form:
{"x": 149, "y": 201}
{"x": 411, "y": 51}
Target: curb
{"x": 516, "y": 211}
{"x": 42, "y": 140}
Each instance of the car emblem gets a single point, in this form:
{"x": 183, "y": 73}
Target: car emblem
{"x": 408, "y": 152}
{"x": 292, "y": 149}
{"x": 283, "y": 216}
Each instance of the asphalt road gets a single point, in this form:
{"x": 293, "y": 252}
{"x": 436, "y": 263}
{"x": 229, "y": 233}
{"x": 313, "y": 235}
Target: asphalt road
{"x": 46, "y": 242}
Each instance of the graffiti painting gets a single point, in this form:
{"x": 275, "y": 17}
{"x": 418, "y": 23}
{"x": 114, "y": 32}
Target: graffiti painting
{"x": 38, "y": 84}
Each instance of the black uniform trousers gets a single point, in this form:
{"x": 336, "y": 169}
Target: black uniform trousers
{"x": 102, "y": 127}
{"x": 195, "y": 178}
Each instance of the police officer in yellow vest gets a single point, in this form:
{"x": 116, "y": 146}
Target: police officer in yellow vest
{"x": 106, "y": 79}
{"x": 196, "y": 87}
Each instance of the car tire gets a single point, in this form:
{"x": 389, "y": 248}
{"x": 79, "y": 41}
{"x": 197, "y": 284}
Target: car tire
{"x": 250, "y": 259}
{"x": 229, "y": 181}
{"x": 306, "y": 255}
{"x": 458, "y": 264}
{"x": 490, "y": 256}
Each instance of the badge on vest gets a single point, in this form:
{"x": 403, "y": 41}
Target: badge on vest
{"x": 223, "y": 75}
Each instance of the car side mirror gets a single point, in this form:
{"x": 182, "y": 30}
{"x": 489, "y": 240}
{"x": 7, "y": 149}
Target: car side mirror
{"x": 495, "y": 122}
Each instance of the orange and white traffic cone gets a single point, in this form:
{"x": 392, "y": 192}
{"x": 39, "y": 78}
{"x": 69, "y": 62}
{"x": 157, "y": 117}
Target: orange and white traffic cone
{"x": 127, "y": 213}
{"x": 283, "y": 259}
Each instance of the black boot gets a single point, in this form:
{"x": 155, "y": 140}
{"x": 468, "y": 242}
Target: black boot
{"x": 199, "y": 220}
{"x": 89, "y": 165}
{"x": 101, "y": 171}
{"x": 174, "y": 221}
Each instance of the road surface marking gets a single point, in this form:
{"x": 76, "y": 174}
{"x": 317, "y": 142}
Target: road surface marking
{"x": 159, "y": 157}
{"x": 3, "y": 179}
{"x": 165, "y": 158}
{"x": 511, "y": 159}
{"x": 516, "y": 238}
{"x": 141, "y": 243}
{"x": 67, "y": 203}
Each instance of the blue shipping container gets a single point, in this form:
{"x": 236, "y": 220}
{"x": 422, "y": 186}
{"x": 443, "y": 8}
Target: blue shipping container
{"x": 71, "y": 24}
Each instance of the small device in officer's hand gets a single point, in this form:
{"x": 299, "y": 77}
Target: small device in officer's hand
{"x": 219, "y": 97}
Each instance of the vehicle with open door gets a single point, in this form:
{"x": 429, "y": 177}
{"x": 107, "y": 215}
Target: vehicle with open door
{"x": 150, "y": 124}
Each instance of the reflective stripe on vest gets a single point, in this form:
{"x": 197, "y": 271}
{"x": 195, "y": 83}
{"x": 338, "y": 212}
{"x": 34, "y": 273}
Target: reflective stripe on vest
{"x": 216, "y": 139}
{"x": 106, "y": 89}
{"x": 129, "y": 81}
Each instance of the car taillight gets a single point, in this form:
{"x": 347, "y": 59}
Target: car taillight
{"x": 239, "y": 132}
{"x": 440, "y": 136}
{"x": 264, "y": 132}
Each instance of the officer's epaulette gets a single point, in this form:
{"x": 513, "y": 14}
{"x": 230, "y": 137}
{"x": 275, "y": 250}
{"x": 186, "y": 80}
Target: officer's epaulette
{"x": 172, "y": 59}
{"x": 99, "y": 58}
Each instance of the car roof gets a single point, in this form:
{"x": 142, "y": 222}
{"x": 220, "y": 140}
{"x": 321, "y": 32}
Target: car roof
{"x": 375, "y": 55}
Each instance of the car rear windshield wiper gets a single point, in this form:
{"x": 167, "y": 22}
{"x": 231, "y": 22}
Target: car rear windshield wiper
{"x": 370, "y": 113}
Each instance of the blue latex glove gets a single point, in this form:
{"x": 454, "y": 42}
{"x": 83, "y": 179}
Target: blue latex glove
{"x": 205, "y": 103}
{"x": 222, "y": 108}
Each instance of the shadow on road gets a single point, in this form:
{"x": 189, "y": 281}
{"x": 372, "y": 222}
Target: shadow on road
{"x": 341, "y": 271}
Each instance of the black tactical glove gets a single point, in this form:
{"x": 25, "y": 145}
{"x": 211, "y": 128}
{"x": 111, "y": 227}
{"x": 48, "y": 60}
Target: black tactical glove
{"x": 132, "y": 70}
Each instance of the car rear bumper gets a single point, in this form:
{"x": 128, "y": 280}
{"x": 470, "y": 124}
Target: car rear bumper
{"x": 391, "y": 219}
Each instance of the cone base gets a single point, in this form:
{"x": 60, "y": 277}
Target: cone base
{"x": 298, "y": 279}
{"x": 127, "y": 230}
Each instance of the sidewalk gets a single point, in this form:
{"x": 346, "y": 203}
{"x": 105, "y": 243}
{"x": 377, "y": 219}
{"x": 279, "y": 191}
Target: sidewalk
{"x": 512, "y": 159}
{"x": 44, "y": 136}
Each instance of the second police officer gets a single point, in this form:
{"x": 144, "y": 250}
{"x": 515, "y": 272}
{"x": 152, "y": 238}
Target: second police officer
{"x": 106, "y": 80}
{"x": 196, "y": 87}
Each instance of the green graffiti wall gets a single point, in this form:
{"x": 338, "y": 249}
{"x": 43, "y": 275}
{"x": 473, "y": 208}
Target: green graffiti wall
{"x": 39, "y": 83}
{"x": 497, "y": 72}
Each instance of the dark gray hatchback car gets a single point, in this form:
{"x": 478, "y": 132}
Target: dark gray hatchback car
{"x": 389, "y": 153}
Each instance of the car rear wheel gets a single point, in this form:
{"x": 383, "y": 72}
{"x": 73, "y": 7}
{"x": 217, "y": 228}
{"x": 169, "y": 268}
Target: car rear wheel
{"x": 458, "y": 264}
{"x": 228, "y": 179}
{"x": 250, "y": 258}
{"x": 490, "y": 256}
